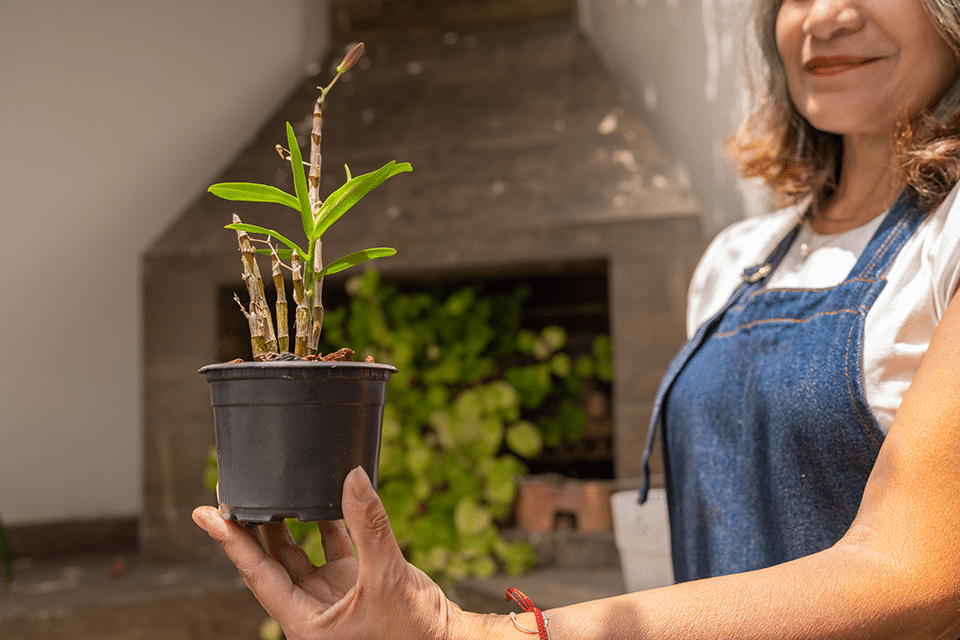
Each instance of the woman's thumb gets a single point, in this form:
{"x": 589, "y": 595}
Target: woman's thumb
{"x": 369, "y": 525}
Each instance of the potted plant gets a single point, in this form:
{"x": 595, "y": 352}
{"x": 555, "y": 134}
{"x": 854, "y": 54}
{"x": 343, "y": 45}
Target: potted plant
{"x": 291, "y": 425}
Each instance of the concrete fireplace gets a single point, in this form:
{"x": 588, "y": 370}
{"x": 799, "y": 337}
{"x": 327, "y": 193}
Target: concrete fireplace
{"x": 528, "y": 159}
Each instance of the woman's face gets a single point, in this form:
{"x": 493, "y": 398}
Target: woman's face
{"x": 858, "y": 66}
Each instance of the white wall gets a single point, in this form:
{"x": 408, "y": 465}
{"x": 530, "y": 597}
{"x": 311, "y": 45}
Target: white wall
{"x": 683, "y": 62}
{"x": 114, "y": 115}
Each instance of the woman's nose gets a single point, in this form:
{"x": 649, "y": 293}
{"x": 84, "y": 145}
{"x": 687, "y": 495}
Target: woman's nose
{"x": 829, "y": 18}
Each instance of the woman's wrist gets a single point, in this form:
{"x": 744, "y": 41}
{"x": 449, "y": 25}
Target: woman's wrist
{"x": 532, "y": 621}
{"x": 484, "y": 626}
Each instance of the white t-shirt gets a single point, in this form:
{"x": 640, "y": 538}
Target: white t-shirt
{"x": 901, "y": 322}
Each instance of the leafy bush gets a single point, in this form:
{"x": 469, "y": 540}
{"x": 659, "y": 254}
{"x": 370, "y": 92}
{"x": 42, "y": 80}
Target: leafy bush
{"x": 474, "y": 395}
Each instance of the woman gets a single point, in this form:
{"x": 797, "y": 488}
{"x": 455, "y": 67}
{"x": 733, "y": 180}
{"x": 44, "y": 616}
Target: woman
{"x": 812, "y": 423}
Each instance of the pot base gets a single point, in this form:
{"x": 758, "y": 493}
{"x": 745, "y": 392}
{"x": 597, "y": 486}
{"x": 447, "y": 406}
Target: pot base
{"x": 251, "y": 515}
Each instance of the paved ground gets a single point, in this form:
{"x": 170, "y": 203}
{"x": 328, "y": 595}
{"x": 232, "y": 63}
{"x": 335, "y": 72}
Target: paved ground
{"x": 119, "y": 598}
{"x": 107, "y": 597}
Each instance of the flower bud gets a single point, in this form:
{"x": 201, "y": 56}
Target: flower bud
{"x": 350, "y": 59}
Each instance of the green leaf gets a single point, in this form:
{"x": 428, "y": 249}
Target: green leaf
{"x": 209, "y": 470}
{"x": 524, "y": 439}
{"x": 526, "y": 341}
{"x": 253, "y": 192}
{"x": 458, "y": 568}
{"x": 459, "y": 302}
{"x": 561, "y": 365}
{"x": 484, "y": 567}
{"x": 500, "y": 487}
{"x": 354, "y": 259}
{"x": 504, "y": 395}
{"x": 417, "y": 459}
{"x": 442, "y": 424}
{"x": 603, "y": 352}
{"x": 252, "y": 228}
{"x": 574, "y": 420}
{"x": 471, "y": 518}
{"x": 300, "y": 184}
{"x": 555, "y": 336}
{"x": 468, "y": 406}
{"x": 436, "y": 559}
{"x": 584, "y": 367}
{"x": 517, "y": 557}
{"x": 338, "y": 202}
{"x": 434, "y": 530}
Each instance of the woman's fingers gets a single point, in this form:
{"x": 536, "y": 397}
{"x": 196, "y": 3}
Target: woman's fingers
{"x": 266, "y": 578}
{"x": 236, "y": 541}
{"x": 336, "y": 541}
{"x": 283, "y": 548}
{"x": 335, "y": 600}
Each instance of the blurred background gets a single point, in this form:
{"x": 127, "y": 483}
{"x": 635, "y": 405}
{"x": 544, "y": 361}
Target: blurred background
{"x": 575, "y": 145}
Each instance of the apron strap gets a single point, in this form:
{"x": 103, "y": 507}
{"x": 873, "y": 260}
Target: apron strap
{"x": 753, "y": 279}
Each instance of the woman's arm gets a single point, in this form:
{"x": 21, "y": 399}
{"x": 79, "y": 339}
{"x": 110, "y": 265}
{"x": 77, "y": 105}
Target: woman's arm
{"x": 895, "y": 574}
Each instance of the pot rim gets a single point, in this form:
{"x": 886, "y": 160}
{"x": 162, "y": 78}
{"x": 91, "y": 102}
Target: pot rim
{"x": 296, "y": 364}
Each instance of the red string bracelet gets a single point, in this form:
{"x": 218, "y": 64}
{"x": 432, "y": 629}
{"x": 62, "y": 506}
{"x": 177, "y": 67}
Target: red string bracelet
{"x": 527, "y": 605}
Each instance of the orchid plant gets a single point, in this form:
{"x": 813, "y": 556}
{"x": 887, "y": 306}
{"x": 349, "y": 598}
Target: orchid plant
{"x": 306, "y": 261}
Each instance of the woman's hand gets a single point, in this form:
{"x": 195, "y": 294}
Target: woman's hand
{"x": 381, "y": 596}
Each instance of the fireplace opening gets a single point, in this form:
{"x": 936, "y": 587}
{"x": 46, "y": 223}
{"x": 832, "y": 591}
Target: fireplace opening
{"x": 574, "y": 297}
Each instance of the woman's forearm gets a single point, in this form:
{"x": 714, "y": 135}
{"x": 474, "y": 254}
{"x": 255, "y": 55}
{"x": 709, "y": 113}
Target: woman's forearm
{"x": 895, "y": 574}
{"x": 842, "y": 593}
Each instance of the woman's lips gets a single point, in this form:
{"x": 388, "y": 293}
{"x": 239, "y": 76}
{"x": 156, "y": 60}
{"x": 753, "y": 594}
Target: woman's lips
{"x": 832, "y": 65}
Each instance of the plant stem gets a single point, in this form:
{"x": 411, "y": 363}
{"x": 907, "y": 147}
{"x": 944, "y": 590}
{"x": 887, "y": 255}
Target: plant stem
{"x": 303, "y": 310}
{"x": 313, "y": 177}
{"x": 257, "y": 342}
{"x": 258, "y": 299}
{"x": 283, "y": 338}
{"x": 313, "y": 192}
{"x": 316, "y": 311}
{"x": 314, "y": 282}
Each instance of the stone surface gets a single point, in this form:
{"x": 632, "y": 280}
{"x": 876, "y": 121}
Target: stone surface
{"x": 118, "y": 597}
{"x": 72, "y": 537}
{"x": 365, "y": 21}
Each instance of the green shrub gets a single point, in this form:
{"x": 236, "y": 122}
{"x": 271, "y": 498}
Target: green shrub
{"x": 475, "y": 394}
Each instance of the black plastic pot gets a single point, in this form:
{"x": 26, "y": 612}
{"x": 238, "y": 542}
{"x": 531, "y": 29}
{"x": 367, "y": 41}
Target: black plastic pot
{"x": 289, "y": 432}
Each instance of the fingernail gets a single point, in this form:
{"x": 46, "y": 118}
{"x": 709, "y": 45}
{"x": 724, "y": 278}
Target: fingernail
{"x": 209, "y": 520}
{"x": 360, "y": 483}
{"x": 201, "y": 518}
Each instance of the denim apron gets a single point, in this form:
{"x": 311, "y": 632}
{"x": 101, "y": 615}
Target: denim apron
{"x": 768, "y": 438}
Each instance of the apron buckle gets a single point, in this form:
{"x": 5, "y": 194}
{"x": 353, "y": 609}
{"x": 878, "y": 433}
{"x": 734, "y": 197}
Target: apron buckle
{"x": 753, "y": 274}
